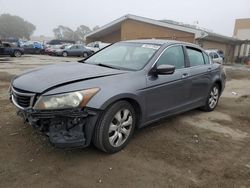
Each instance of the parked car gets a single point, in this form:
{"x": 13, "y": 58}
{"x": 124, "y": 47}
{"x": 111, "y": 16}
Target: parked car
{"x": 96, "y": 46}
{"x": 12, "y": 41}
{"x": 33, "y": 48}
{"x": 220, "y": 52}
{"x": 215, "y": 56}
{"x": 8, "y": 49}
{"x": 74, "y": 50}
{"x": 60, "y": 42}
{"x": 128, "y": 85}
{"x": 52, "y": 49}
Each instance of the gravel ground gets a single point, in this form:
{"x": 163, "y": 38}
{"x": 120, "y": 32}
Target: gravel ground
{"x": 194, "y": 149}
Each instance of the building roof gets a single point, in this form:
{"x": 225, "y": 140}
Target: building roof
{"x": 199, "y": 33}
{"x": 159, "y": 41}
{"x": 114, "y": 25}
{"x": 153, "y": 41}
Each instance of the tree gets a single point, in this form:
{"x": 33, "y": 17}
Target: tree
{"x": 96, "y": 27}
{"x": 63, "y": 32}
{"x": 82, "y": 30}
{"x": 15, "y": 26}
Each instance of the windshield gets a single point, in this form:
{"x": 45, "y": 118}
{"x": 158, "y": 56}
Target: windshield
{"x": 124, "y": 55}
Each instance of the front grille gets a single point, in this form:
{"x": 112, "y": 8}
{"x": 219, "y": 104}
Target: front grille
{"x": 22, "y": 99}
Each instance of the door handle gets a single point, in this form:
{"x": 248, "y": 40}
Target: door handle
{"x": 184, "y": 75}
{"x": 209, "y": 69}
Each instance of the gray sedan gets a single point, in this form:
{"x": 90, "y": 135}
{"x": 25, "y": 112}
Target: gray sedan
{"x": 128, "y": 85}
{"x": 74, "y": 50}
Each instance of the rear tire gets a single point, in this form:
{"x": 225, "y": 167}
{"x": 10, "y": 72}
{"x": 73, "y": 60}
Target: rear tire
{"x": 17, "y": 53}
{"x": 85, "y": 54}
{"x": 115, "y": 127}
{"x": 212, "y": 99}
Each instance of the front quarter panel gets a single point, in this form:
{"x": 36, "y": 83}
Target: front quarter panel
{"x": 124, "y": 86}
{"x": 112, "y": 88}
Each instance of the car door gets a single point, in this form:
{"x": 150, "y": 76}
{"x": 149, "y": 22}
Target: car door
{"x": 28, "y": 49}
{"x": 200, "y": 74}
{"x": 1, "y": 49}
{"x": 167, "y": 94}
{"x": 7, "y": 50}
{"x": 72, "y": 51}
{"x": 81, "y": 50}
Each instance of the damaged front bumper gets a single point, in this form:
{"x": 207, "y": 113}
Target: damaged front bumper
{"x": 69, "y": 128}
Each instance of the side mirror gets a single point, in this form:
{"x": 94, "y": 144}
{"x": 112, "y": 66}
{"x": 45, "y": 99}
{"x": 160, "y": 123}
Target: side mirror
{"x": 165, "y": 69}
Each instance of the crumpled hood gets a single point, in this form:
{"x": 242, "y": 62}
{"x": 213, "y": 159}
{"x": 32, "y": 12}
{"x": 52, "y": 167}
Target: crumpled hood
{"x": 44, "y": 78}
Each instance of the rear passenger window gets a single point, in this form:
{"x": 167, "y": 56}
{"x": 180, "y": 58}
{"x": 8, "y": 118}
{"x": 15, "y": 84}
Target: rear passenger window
{"x": 173, "y": 56}
{"x": 195, "y": 57}
{"x": 206, "y": 58}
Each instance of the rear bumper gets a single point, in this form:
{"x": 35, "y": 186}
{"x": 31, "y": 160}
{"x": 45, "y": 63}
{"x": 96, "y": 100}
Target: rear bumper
{"x": 65, "y": 128}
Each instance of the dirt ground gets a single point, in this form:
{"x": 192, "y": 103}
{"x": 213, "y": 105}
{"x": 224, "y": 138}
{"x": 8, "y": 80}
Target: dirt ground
{"x": 194, "y": 149}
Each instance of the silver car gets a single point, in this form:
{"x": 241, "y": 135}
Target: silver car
{"x": 74, "y": 50}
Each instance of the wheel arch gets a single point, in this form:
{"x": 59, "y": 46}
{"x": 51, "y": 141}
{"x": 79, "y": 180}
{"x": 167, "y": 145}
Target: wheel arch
{"x": 219, "y": 83}
{"x": 134, "y": 101}
{"x": 16, "y": 50}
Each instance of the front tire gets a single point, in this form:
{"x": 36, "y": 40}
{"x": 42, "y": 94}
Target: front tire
{"x": 212, "y": 99}
{"x": 115, "y": 128}
{"x": 64, "y": 54}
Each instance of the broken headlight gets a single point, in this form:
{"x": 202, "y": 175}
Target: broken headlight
{"x": 65, "y": 100}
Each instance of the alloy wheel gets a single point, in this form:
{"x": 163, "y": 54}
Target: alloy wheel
{"x": 85, "y": 55}
{"x": 213, "y": 97}
{"x": 64, "y": 54}
{"x": 120, "y": 127}
{"x": 17, "y": 54}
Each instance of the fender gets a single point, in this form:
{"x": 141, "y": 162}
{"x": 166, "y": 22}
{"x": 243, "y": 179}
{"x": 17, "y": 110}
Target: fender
{"x": 120, "y": 97}
{"x": 140, "y": 100}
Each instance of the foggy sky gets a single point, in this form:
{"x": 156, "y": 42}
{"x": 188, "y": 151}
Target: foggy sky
{"x": 217, "y": 15}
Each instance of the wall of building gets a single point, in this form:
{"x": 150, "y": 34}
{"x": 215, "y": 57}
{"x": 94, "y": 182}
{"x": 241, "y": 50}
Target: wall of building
{"x": 228, "y": 49}
{"x": 242, "y": 29}
{"x": 132, "y": 29}
{"x": 242, "y": 51}
{"x": 214, "y": 45}
{"x": 243, "y": 34}
{"x": 112, "y": 37}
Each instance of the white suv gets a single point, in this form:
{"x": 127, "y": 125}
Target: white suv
{"x": 215, "y": 56}
{"x": 95, "y": 46}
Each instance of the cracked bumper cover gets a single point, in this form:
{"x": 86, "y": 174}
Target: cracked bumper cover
{"x": 65, "y": 128}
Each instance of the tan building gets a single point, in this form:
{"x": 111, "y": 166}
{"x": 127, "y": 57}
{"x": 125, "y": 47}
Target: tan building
{"x": 242, "y": 32}
{"x": 131, "y": 27}
{"x": 242, "y": 29}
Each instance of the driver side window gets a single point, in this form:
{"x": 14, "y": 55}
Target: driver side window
{"x": 173, "y": 56}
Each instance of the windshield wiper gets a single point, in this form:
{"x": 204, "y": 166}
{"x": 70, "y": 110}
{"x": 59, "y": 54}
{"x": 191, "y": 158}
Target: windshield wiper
{"x": 108, "y": 66}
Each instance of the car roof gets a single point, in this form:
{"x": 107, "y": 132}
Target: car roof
{"x": 162, "y": 42}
